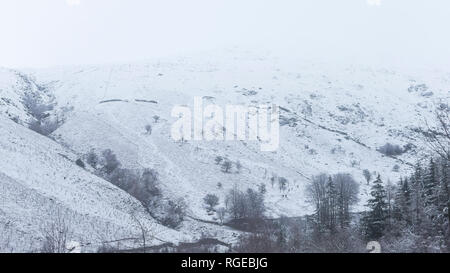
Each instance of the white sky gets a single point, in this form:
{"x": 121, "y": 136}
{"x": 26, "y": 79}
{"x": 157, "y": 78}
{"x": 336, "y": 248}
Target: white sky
{"x": 38, "y": 33}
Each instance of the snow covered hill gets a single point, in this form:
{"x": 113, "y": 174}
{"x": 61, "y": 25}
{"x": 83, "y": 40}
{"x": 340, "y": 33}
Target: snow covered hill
{"x": 333, "y": 119}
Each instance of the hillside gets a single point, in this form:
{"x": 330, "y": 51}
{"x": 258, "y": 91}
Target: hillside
{"x": 333, "y": 119}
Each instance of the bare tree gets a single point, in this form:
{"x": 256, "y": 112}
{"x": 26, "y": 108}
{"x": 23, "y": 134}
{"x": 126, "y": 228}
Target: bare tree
{"x": 221, "y": 212}
{"x": 56, "y": 234}
{"x": 367, "y": 175}
{"x": 347, "y": 195}
{"x": 438, "y": 136}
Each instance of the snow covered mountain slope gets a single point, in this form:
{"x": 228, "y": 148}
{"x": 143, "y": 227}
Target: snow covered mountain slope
{"x": 39, "y": 181}
{"x": 333, "y": 119}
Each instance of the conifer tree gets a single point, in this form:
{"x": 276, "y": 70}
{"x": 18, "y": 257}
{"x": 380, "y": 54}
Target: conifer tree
{"x": 375, "y": 220}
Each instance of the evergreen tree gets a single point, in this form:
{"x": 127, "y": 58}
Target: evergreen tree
{"x": 398, "y": 202}
{"x": 416, "y": 199}
{"x": 431, "y": 192}
{"x": 402, "y": 203}
{"x": 406, "y": 205}
{"x": 444, "y": 198}
{"x": 375, "y": 220}
{"x": 430, "y": 183}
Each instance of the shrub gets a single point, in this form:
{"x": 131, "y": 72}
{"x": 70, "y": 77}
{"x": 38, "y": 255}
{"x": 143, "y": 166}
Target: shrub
{"x": 175, "y": 211}
{"x": 367, "y": 175}
{"x": 226, "y": 166}
{"x": 143, "y": 187}
{"x": 110, "y": 162}
{"x": 80, "y": 163}
{"x": 148, "y": 129}
{"x": 42, "y": 123}
{"x": 218, "y": 160}
{"x": 43, "y": 127}
{"x": 396, "y": 168}
{"x": 282, "y": 183}
{"x": 390, "y": 149}
{"x": 262, "y": 188}
{"x": 35, "y": 106}
{"x": 92, "y": 159}
{"x": 211, "y": 200}
{"x": 238, "y": 166}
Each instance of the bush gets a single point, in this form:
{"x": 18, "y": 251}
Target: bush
{"x": 218, "y": 160}
{"x": 143, "y": 187}
{"x": 35, "y": 106}
{"x": 282, "y": 183}
{"x": 175, "y": 211}
{"x": 262, "y": 188}
{"x": 92, "y": 159}
{"x": 390, "y": 149}
{"x": 80, "y": 163}
{"x": 43, "y": 127}
{"x": 141, "y": 184}
{"x": 211, "y": 200}
{"x": 42, "y": 122}
{"x": 148, "y": 129}
{"x": 110, "y": 162}
{"x": 396, "y": 168}
{"x": 367, "y": 175}
{"x": 226, "y": 166}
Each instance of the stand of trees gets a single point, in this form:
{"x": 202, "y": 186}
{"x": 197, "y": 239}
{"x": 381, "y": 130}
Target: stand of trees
{"x": 417, "y": 219}
{"x": 333, "y": 197}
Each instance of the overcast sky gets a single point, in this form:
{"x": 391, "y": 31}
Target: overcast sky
{"x": 39, "y": 33}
